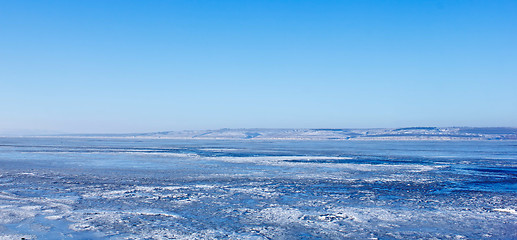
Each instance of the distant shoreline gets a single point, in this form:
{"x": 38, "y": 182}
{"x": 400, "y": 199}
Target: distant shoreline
{"x": 371, "y": 134}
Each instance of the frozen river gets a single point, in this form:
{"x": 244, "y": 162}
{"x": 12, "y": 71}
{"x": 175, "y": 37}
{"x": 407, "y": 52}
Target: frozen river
{"x": 88, "y": 188}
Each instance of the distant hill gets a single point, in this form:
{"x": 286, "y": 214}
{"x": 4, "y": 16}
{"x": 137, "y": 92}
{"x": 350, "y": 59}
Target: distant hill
{"x": 409, "y": 133}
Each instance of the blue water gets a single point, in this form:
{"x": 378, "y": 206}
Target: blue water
{"x": 87, "y": 188}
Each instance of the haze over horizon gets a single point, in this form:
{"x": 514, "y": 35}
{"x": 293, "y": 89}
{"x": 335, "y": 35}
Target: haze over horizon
{"x": 129, "y": 66}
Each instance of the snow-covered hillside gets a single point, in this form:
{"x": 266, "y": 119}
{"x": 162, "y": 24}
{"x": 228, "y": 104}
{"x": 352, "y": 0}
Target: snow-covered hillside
{"x": 410, "y": 133}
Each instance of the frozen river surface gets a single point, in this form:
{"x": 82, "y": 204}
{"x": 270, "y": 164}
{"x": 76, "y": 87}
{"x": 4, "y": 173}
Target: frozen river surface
{"x": 73, "y": 188}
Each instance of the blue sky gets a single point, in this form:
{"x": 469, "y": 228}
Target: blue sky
{"x": 138, "y": 66}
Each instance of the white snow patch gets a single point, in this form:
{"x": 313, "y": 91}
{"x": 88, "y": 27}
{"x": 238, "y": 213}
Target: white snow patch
{"x": 279, "y": 215}
{"x": 54, "y": 217}
{"x": 12, "y": 214}
{"x": 506, "y": 210}
{"x": 16, "y": 236}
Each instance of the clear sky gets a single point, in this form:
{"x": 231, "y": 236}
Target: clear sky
{"x": 138, "y": 66}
